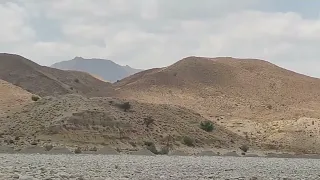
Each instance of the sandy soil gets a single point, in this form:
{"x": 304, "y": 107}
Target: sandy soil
{"x": 12, "y": 97}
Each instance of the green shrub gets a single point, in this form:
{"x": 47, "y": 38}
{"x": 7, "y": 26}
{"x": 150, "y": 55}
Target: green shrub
{"x": 188, "y": 141}
{"x": 35, "y": 98}
{"x": 207, "y": 126}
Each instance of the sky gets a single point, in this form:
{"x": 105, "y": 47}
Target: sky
{"x": 155, "y": 33}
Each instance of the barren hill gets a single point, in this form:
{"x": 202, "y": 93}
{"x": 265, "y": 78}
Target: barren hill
{"x": 258, "y": 99}
{"x": 76, "y": 120}
{"x": 46, "y": 81}
{"x": 12, "y": 97}
{"x": 106, "y": 69}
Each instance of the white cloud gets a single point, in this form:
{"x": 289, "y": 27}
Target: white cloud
{"x": 13, "y": 26}
{"x": 150, "y": 33}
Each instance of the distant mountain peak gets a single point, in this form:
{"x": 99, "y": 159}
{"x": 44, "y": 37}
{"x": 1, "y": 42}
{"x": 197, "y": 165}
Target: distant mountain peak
{"x": 106, "y": 69}
{"x": 78, "y": 58}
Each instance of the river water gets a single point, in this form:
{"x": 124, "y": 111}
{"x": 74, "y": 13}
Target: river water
{"x": 99, "y": 167}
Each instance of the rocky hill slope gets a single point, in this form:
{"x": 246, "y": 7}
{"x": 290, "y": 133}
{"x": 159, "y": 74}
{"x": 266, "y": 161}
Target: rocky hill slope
{"x": 46, "y": 81}
{"x": 102, "y": 68}
{"x": 12, "y": 97}
{"x": 256, "y": 99}
{"x": 80, "y": 121}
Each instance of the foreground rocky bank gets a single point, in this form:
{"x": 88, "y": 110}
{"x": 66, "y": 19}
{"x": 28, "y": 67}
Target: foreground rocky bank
{"x": 102, "y": 167}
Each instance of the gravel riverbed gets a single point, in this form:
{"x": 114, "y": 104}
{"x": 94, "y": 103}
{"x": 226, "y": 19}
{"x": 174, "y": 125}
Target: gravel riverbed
{"x": 104, "y": 167}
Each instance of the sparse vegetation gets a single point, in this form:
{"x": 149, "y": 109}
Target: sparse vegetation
{"x": 125, "y": 106}
{"x": 76, "y": 80}
{"x": 35, "y": 98}
{"x": 48, "y": 147}
{"x": 133, "y": 144}
{"x": 33, "y": 143}
{"x": 244, "y": 148}
{"x": 164, "y": 150}
{"x": 94, "y": 149}
{"x": 148, "y": 120}
{"x": 11, "y": 141}
{"x": 77, "y": 150}
{"x": 148, "y": 143}
{"x": 188, "y": 141}
{"x": 207, "y": 126}
{"x": 269, "y": 106}
{"x": 152, "y": 147}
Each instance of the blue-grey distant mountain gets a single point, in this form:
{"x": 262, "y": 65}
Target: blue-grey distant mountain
{"x": 101, "y": 68}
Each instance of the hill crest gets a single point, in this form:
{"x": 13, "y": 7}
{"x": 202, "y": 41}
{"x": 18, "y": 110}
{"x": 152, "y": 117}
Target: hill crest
{"x": 46, "y": 81}
{"x": 253, "y": 96}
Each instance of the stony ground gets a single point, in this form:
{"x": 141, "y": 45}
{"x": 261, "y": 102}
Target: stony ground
{"x": 94, "y": 167}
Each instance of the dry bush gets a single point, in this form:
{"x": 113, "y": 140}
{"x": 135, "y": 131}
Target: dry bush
{"x": 48, "y": 147}
{"x": 125, "y": 106}
{"x": 164, "y": 150}
{"x": 148, "y": 120}
{"x": 188, "y": 141}
{"x": 35, "y": 98}
{"x": 77, "y": 150}
{"x": 94, "y": 149}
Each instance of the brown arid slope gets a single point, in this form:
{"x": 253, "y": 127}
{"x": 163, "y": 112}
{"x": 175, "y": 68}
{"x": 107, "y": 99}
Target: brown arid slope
{"x": 277, "y": 108}
{"x": 12, "y": 97}
{"x": 79, "y": 121}
{"x": 46, "y": 81}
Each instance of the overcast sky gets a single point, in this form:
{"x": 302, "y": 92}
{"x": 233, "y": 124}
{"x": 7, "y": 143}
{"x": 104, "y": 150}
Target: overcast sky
{"x": 152, "y": 33}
